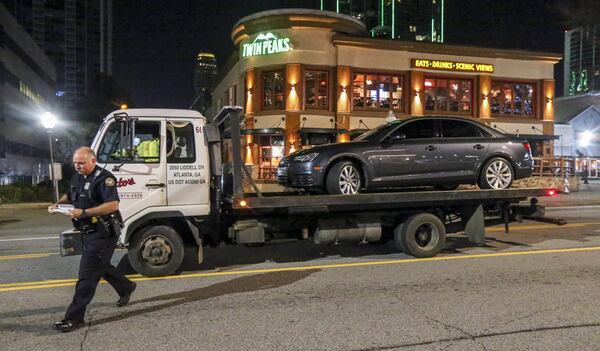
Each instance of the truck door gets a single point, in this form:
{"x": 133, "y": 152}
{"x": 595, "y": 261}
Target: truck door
{"x": 141, "y": 177}
{"x": 187, "y": 165}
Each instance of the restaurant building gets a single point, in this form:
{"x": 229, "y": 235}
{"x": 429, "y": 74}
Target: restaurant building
{"x": 309, "y": 77}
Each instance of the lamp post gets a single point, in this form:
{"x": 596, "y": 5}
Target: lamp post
{"x": 49, "y": 121}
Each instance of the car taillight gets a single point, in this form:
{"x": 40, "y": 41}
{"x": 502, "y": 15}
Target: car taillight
{"x": 527, "y": 147}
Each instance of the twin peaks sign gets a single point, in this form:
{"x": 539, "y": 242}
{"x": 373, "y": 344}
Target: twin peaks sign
{"x": 266, "y": 44}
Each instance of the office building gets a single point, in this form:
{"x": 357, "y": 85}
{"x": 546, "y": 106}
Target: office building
{"x": 582, "y": 60}
{"x": 205, "y": 77}
{"x": 415, "y": 20}
{"x": 27, "y": 90}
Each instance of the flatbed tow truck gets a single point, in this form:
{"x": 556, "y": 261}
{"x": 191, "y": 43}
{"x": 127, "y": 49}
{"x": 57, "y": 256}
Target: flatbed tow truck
{"x": 168, "y": 203}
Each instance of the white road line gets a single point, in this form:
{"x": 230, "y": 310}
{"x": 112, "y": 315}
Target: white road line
{"x": 28, "y": 239}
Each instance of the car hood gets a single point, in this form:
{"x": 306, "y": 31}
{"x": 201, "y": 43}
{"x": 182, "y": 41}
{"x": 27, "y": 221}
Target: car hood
{"x": 329, "y": 148}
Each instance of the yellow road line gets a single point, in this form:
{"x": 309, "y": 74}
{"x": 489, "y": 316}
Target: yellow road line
{"x": 55, "y": 281}
{"x": 42, "y": 284}
{"x": 25, "y": 256}
{"x": 540, "y": 226}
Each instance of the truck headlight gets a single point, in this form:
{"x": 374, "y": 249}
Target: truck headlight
{"x": 306, "y": 158}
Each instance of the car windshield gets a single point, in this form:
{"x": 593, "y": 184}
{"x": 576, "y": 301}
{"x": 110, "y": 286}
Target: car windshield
{"x": 377, "y": 133}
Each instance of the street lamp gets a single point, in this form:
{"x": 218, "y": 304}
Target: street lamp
{"x": 49, "y": 122}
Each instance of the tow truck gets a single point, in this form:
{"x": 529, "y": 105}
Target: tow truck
{"x": 182, "y": 183}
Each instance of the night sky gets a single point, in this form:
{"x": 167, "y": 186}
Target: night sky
{"x": 156, "y": 41}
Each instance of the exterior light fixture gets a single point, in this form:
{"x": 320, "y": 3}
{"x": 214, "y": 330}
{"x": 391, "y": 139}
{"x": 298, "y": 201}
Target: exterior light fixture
{"x": 49, "y": 121}
{"x": 485, "y": 97}
{"x": 417, "y": 92}
{"x": 585, "y": 138}
{"x": 548, "y": 99}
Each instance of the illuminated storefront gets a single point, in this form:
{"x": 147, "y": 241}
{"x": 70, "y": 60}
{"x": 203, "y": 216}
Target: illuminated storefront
{"x": 317, "y": 77}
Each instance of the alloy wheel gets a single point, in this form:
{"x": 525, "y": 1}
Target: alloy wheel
{"x": 498, "y": 175}
{"x": 349, "y": 180}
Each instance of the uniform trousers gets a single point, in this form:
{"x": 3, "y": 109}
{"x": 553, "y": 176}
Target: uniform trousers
{"x": 98, "y": 249}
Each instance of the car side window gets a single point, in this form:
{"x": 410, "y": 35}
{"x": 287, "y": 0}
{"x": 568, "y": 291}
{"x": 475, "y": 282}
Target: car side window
{"x": 459, "y": 129}
{"x": 417, "y": 129}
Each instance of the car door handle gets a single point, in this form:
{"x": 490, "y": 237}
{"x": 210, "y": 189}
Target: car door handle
{"x": 430, "y": 148}
{"x": 478, "y": 147}
{"x": 155, "y": 185}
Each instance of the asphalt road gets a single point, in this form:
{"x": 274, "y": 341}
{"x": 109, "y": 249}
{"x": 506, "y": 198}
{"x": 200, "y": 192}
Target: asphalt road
{"x": 533, "y": 289}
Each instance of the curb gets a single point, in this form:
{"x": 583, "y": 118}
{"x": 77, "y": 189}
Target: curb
{"x": 25, "y": 206}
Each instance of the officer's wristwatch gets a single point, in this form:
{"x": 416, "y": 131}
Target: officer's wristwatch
{"x": 83, "y": 213}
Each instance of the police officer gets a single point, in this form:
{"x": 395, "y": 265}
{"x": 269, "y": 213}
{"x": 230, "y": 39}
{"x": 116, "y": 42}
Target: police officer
{"x": 93, "y": 192}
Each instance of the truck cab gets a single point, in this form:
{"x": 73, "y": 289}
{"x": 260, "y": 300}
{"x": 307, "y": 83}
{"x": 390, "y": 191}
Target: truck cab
{"x": 160, "y": 160}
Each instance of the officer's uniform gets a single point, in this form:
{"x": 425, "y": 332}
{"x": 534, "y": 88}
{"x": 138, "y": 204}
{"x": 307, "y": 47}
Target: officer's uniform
{"x": 99, "y": 241}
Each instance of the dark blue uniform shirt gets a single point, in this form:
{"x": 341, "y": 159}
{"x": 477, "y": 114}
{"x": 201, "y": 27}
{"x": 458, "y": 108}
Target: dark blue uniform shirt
{"x": 97, "y": 188}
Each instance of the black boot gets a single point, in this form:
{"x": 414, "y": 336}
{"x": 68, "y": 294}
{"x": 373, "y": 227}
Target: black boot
{"x": 124, "y": 300}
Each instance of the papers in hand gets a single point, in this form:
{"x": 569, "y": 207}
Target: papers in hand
{"x": 64, "y": 209}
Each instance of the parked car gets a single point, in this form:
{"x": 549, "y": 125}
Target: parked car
{"x": 420, "y": 151}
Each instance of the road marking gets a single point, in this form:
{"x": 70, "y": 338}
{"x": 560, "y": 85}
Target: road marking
{"x": 67, "y": 282}
{"x": 540, "y": 226}
{"x": 26, "y": 256}
{"x": 28, "y": 239}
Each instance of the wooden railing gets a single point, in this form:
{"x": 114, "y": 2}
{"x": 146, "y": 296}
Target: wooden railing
{"x": 553, "y": 167}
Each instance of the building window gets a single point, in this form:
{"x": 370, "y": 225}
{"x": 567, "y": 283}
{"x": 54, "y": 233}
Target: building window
{"x": 316, "y": 90}
{"x": 512, "y": 99}
{"x": 271, "y": 149}
{"x": 448, "y": 95}
{"x": 377, "y": 91}
{"x": 273, "y": 85}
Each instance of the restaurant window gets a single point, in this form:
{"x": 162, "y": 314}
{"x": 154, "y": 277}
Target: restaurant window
{"x": 448, "y": 95}
{"x": 271, "y": 149}
{"x": 377, "y": 91}
{"x": 512, "y": 99}
{"x": 273, "y": 85}
{"x": 316, "y": 90}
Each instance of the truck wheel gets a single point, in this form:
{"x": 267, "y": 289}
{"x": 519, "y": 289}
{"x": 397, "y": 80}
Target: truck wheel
{"x": 398, "y": 238}
{"x": 423, "y": 235}
{"x": 156, "y": 251}
{"x": 497, "y": 173}
{"x": 343, "y": 179}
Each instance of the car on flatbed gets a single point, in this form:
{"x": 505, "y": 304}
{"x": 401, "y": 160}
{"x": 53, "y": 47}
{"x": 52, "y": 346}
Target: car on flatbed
{"x": 438, "y": 151}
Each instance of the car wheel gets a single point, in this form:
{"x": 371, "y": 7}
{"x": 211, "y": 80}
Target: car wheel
{"x": 343, "y": 179}
{"x": 497, "y": 173}
{"x": 156, "y": 251}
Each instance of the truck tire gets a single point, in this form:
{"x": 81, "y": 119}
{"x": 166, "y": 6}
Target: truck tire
{"x": 156, "y": 251}
{"x": 398, "y": 238}
{"x": 343, "y": 178}
{"x": 423, "y": 235}
{"x": 497, "y": 173}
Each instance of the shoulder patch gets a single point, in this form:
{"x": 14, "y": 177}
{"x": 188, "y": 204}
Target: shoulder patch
{"x": 109, "y": 181}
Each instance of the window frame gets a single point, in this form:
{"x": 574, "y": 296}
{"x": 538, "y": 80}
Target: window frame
{"x": 142, "y": 160}
{"x": 328, "y": 89}
{"x": 435, "y": 111}
{"x": 378, "y": 74}
{"x": 473, "y": 125}
{"x": 262, "y": 90}
{"x": 534, "y": 96}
